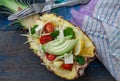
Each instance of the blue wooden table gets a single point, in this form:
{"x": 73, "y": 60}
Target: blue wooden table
{"x": 18, "y": 62}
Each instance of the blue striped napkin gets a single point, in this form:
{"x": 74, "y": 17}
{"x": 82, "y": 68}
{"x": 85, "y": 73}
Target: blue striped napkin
{"x": 100, "y": 19}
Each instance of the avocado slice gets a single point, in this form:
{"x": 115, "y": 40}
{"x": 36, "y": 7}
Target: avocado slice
{"x": 60, "y": 48}
{"x": 58, "y": 42}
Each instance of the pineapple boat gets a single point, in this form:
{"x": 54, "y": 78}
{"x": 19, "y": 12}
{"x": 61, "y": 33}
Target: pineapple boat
{"x": 63, "y": 48}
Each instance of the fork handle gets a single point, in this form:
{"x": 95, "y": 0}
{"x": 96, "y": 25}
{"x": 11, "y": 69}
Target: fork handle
{"x": 70, "y": 3}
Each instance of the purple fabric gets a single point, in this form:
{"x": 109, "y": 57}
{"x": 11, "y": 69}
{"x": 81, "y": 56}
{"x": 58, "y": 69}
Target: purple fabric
{"x": 89, "y": 8}
{"x": 77, "y": 18}
{"x": 78, "y": 15}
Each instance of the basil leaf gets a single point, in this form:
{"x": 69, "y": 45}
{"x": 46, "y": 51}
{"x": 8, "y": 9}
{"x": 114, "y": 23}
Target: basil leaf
{"x": 80, "y": 60}
{"x": 55, "y": 34}
{"x": 33, "y": 29}
{"x": 69, "y": 31}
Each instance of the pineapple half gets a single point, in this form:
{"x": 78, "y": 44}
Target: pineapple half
{"x": 87, "y": 48}
{"x": 84, "y": 47}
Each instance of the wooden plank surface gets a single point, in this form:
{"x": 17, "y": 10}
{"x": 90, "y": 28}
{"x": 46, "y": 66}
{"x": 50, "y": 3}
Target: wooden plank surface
{"x": 18, "y": 63}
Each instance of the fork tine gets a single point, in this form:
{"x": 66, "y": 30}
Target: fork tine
{"x": 28, "y": 12}
{"x": 23, "y": 11}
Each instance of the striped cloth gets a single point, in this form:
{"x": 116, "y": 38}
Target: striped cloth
{"x": 100, "y": 19}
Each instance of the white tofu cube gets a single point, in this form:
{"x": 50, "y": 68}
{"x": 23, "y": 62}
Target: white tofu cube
{"x": 68, "y": 59}
{"x": 39, "y": 29}
{"x": 61, "y": 34}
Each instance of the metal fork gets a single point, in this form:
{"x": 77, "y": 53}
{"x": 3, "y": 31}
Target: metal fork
{"x": 41, "y": 7}
{"x": 33, "y": 9}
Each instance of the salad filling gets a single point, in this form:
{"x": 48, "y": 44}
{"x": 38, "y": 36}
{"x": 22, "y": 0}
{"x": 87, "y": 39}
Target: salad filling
{"x": 60, "y": 45}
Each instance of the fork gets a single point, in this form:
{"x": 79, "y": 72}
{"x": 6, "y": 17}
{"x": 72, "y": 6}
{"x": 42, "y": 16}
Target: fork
{"x": 42, "y": 7}
{"x": 31, "y": 10}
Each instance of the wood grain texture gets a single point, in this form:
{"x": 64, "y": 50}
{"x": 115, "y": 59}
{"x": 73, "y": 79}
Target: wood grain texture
{"x": 18, "y": 63}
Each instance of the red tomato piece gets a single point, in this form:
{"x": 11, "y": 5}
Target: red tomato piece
{"x": 49, "y": 27}
{"x": 50, "y": 57}
{"x": 67, "y": 66}
{"x": 45, "y": 38}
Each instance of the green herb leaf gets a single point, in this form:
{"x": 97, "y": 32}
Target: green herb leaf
{"x": 43, "y": 48}
{"x": 80, "y": 60}
{"x": 69, "y": 31}
{"x": 35, "y": 51}
{"x": 55, "y": 34}
{"x": 33, "y": 29}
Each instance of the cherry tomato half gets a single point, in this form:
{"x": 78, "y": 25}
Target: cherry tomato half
{"x": 45, "y": 38}
{"x": 50, "y": 57}
{"x": 67, "y": 66}
{"x": 49, "y": 27}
